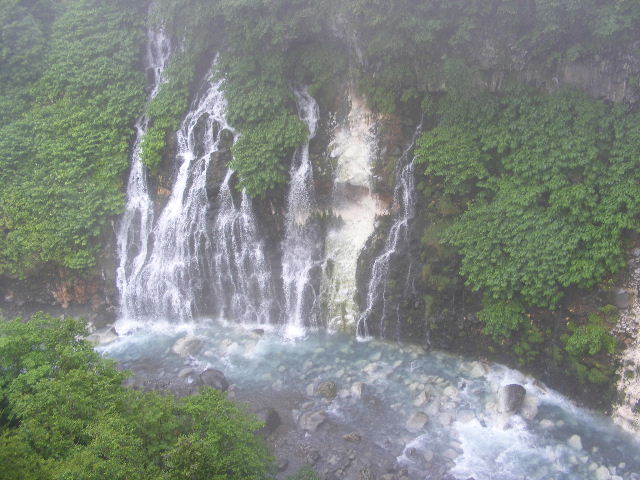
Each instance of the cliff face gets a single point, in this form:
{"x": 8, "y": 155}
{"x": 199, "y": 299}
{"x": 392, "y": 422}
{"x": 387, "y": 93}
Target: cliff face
{"x": 614, "y": 77}
{"x": 431, "y": 304}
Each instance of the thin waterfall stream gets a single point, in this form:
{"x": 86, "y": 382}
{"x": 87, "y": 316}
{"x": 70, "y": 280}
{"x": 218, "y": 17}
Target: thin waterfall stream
{"x": 242, "y": 280}
{"x": 395, "y": 244}
{"x": 137, "y": 221}
{"x": 302, "y": 246}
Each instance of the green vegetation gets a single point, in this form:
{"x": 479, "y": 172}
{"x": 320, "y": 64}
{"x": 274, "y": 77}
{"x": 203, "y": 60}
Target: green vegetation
{"x": 188, "y": 27}
{"x": 502, "y": 319}
{"x": 65, "y": 414}
{"x": 70, "y": 88}
{"x": 69, "y": 92}
{"x": 535, "y": 193}
{"x": 305, "y": 473}
{"x": 551, "y": 184}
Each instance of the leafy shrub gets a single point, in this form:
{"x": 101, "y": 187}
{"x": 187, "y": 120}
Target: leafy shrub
{"x": 65, "y": 143}
{"x": 66, "y": 415}
{"x": 258, "y": 153}
{"x": 502, "y": 319}
{"x": 550, "y": 184}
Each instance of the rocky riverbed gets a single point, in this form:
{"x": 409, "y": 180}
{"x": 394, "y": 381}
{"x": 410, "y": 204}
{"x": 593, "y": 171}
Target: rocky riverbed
{"x": 378, "y": 410}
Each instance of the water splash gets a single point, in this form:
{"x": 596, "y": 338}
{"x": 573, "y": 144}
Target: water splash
{"x": 242, "y": 280}
{"x": 302, "y": 245}
{"x": 354, "y": 208}
{"x": 396, "y": 243}
{"x": 135, "y": 227}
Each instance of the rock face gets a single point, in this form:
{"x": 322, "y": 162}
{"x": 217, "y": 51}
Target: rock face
{"x": 511, "y": 398}
{"x": 213, "y": 378}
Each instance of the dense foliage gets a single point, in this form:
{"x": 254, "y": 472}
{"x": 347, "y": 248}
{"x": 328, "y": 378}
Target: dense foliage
{"x": 71, "y": 86}
{"x": 64, "y": 414}
{"x": 551, "y": 182}
{"x": 69, "y": 91}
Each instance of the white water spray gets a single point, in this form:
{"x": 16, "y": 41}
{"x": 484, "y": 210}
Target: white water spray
{"x": 302, "y": 245}
{"x": 396, "y": 243}
{"x": 135, "y": 227}
{"x": 242, "y": 281}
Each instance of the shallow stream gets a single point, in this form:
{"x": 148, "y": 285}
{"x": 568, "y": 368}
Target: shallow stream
{"x": 402, "y": 387}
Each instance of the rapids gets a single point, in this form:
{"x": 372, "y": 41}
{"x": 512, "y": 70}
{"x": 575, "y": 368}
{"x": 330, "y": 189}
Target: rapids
{"x": 465, "y": 434}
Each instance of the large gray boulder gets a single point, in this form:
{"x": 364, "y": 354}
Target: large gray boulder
{"x": 511, "y": 398}
{"x": 310, "y": 421}
{"x": 186, "y": 346}
{"x": 417, "y": 421}
{"x": 327, "y": 389}
{"x": 271, "y": 420}
{"x": 213, "y": 378}
{"x": 622, "y": 298}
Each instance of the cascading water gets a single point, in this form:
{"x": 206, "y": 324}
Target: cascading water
{"x": 355, "y": 209}
{"x": 176, "y": 274}
{"x": 302, "y": 245}
{"x": 242, "y": 282}
{"x": 137, "y": 221}
{"x": 396, "y": 244}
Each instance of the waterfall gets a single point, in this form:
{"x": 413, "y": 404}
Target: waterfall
{"x": 302, "y": 245}
{"x": 242, "y": 281}
{"x": 175, "y": 275}
{"x": 355, "y": 210}
{"x": 135, "y": 227}
{"x": 395, "y": 244}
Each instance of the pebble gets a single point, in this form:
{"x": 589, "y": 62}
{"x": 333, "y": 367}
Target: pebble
{"x": 575, "y": 442}
{"x": 352, "y": 437}
{"x": 450, "y": 453}
{"x": 602, "y": 473}
{"x": 445, "y": 419}
{"x": 546, "y": 423}
{"x": 422, "y": 399}
{"x": 417, "y": 421}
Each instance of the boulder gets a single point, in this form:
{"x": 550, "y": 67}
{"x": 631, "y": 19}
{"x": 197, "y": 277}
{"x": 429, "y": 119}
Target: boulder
{"x": 213, "y": 378}
{"x": 417, "y": 421}
{"x": 622, "y": 298}
{"x": 312, "y": 420}
{"x": 103, "y": 337}
{"x": 271, "y": 420}
{"x": 575, "y": 442}
{"x": 422, "y": 399}
{"x": 511, "y": 398}
{"x": 189, "y": 345}
{"x": 327, "y": 389}
{"x": 358, "y": 389}
{"x": 352, "y": 437}
{"x": 602, "y": 473}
